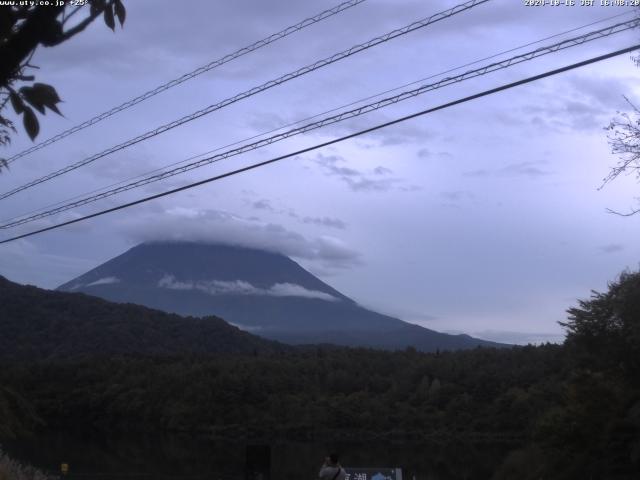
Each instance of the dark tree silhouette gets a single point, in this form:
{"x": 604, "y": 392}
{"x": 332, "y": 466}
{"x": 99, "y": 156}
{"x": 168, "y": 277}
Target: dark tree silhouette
{"x": 606, "y": 328}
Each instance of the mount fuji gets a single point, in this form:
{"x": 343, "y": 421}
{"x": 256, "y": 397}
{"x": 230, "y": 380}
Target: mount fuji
{"x": 262, "y": 292}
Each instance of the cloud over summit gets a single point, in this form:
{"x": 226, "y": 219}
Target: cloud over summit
{"x": 216, "y": 226}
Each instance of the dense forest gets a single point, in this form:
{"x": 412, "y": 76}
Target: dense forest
{"x": 573, "y": 409}
{"x": 52, "y": 326}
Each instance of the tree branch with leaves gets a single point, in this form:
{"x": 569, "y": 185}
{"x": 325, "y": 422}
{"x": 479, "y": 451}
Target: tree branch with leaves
{"x": 23, "y": 29}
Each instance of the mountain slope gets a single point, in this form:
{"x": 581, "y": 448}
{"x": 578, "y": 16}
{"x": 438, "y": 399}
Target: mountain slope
{"x": 265, "y": 293}
{"x": 38, "y": 324}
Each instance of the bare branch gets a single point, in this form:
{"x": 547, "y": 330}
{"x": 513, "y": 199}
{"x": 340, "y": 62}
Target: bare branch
{"x": 80, "y": 26}
{"x": 624, "y": 140}
{"x": 620, "y": 214}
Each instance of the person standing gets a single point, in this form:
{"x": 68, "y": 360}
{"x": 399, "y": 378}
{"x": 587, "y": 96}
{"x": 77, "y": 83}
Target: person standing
{"x": 331, "y": 469}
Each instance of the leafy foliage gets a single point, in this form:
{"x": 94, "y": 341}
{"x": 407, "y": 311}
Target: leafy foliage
{"x": 349, "y": 391}
{"x": 22, "y": 29}
{"x": 16, "y": 414}
{"x": 605, "y": 330}
{"x": 12, "y": 470}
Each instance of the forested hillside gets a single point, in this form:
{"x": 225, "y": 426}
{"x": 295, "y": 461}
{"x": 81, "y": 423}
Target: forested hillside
{"x": 573, "y": 410}
{"x": 39, "y": 325}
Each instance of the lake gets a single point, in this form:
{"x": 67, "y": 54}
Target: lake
{"x": 95, "y": 456}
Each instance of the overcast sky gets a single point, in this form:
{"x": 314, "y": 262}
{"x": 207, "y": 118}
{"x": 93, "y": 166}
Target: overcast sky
{"x": 484, "y": 218}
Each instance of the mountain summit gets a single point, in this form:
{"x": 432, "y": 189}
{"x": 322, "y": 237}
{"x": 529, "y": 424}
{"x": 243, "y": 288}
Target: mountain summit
{"x": 265, "y": 293}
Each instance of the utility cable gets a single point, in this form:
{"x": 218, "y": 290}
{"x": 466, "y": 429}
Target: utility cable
{"x": 291, "y": 124}
{"x": 580, "y": 40}
{"x": 332, "y": 142}
{"x": 188, "y": 76}
{"x": 255, "y": 90}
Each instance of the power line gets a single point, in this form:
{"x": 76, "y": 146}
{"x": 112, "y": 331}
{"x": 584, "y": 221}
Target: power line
{"x": 495, "y": 55}
{"x": 255, "y": 90}
{"x": 575, "y": 41}
{"x": 334, "y": 141}
{"x": 337, "y": 118}
{"x": 188, "y": 76}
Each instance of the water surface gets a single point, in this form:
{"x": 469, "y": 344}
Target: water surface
{"x": 93, "y": 456}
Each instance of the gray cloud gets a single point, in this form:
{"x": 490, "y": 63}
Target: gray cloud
{"x": 366, "y": 184}
{"x": 217, "y": 226}
{"x": 579, "y": 102}
{"x": 524, "y": 169}
{"x": 457, "y": 195}
{"x": 530, "y": 169}
{"x": 382, "y": 171}
{"x": 428, "y": 153}
{"x": 267, "y": 121}
{"x": 395, "y": 135}
{"x": 566, "y": 114}
{"x": 263, "y": 204}
{"x": 173, "y": 45}
{"x": 134, "y": 164}
{"x": 424, "y": 153}
{"x": 402, "y": 134}
{"x": 358, "y": 181}
{"x": 611, "y": 248}
{"x": 324, "y": 221}
{"x": 456, "y": 198}
{"x": 604, "y": 91}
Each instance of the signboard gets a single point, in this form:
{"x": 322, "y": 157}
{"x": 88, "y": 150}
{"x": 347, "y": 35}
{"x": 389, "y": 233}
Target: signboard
{"x": 373, "y": 473}
{"x": 258, "y": 462}
{"x": 64, "y": 468}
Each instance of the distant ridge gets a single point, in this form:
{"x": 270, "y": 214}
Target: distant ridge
{"x": 40, "y": 325}
{"x": 262, "y": 292}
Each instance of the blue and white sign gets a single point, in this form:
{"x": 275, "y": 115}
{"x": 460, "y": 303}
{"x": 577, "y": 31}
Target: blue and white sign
{"x": 373, "y": 473}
